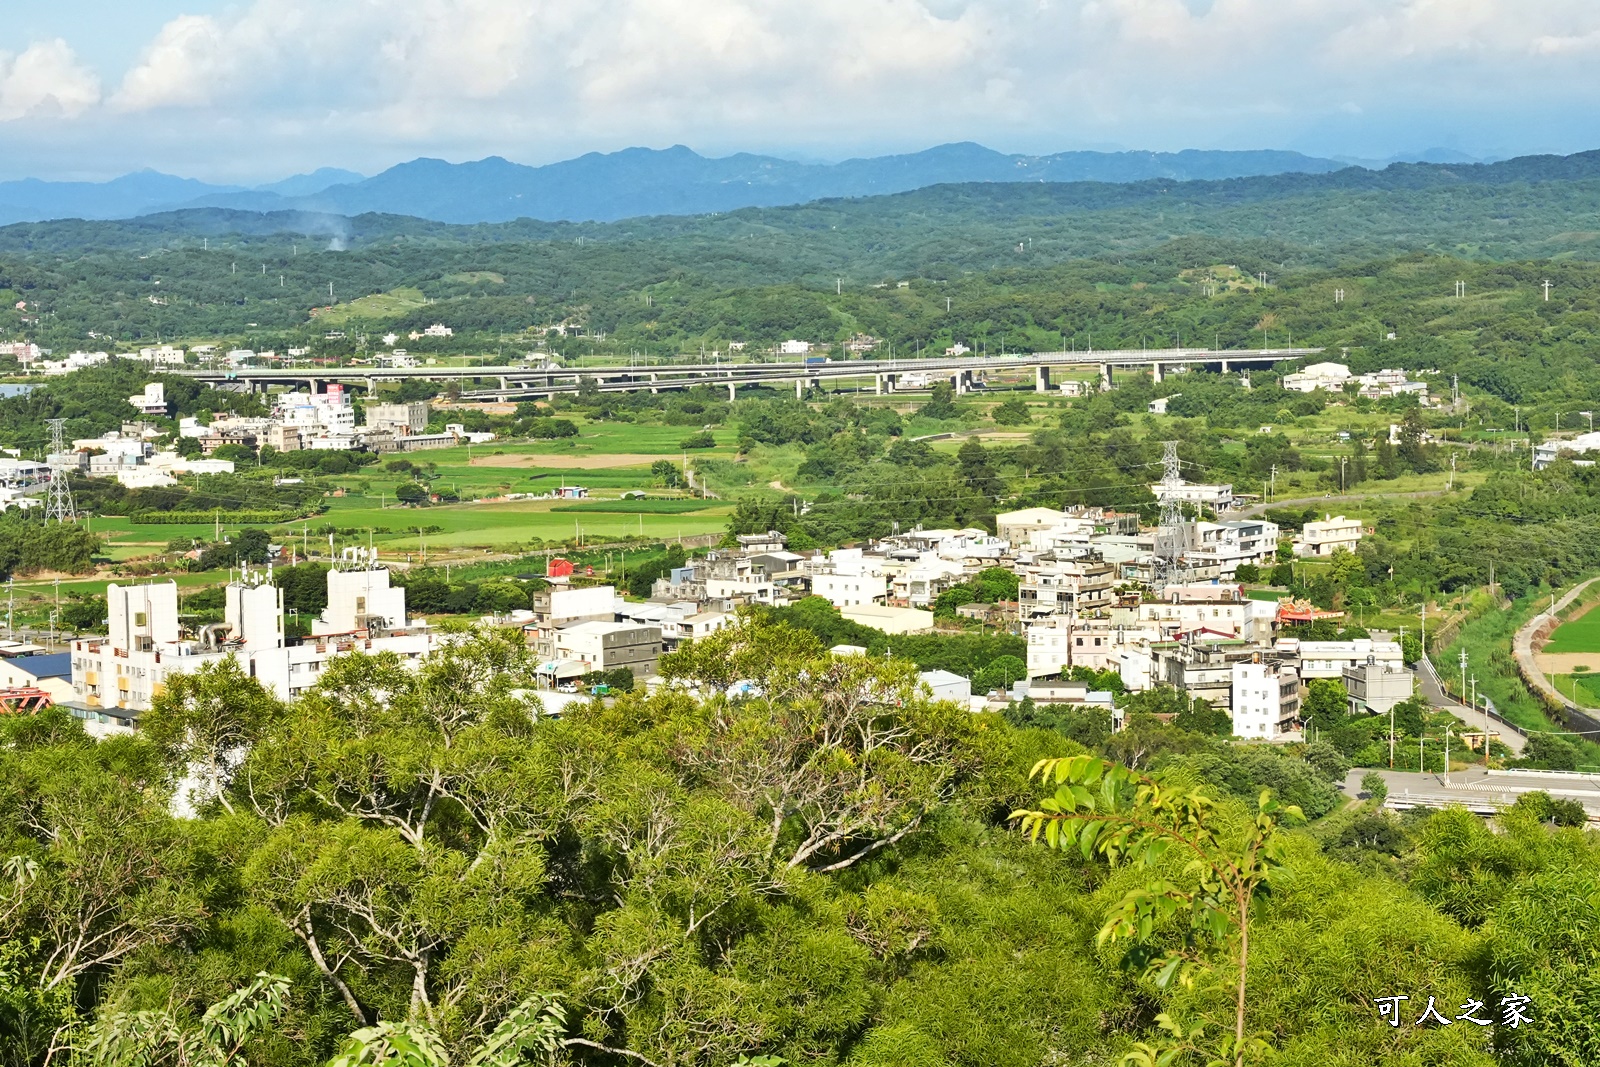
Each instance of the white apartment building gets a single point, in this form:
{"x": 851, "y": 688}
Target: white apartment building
{"x": 1216, "y": 497}
{"x": 164, "y": 356}
{"x": 1330, "y": 659}
{"x": 153, "y": 401}
{"x": 1253, "y": 620}
{"x": 848, "y": 578}
{"x": 1266, "y": 701}
{"x": 1060, "y": 642}
{"x": 144, "y": 645}
{"x": 326, "y": 415}
{"x": 918, "y": 582}
{"x": 1225, "y": 545}
{"x": 1018, "y": 527}
{"x": 1323, "y": 538}
{"x": 1581, "y": 445}
{"x": 1328, "y": 376}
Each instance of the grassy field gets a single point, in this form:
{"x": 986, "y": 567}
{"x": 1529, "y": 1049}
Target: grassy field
{"x": 1584, "y": 689}
{"x": 494, "y": 525}
{"x": 1581, "y": 634}
{"x": 377, "y": 306}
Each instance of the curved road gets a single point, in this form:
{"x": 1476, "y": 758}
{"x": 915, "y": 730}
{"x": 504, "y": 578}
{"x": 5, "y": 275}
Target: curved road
{"x": 1522, "y": 649}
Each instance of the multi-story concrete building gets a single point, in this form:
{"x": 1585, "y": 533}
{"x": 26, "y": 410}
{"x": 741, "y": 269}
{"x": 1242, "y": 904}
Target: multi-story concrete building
{"x": 1324, "y": 537}
{"x": 1065, "y": 582}
{"x": 849, "y": 577}
{"x": 1328, "y": 659}
{"x": 607, "y": 646}
{"x": 1376, "y": 687}
{"x": 561, "y": 606}
{"x": 1060, "y": 642}
{"x": 1265, "y": 700}
{"x": 1202, "y": 666}
{"x": 144, "y": 645}
{"x": 1225, "y": 545}
{"x": 402, "y": 419}
{"x": 1221, "y": 607}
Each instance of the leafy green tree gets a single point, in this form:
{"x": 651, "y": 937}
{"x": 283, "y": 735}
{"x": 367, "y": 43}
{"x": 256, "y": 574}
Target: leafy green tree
{"x": 205, "y": 722}
{"x": 973, "y": 460}
{"x": 941, "y": 405}
{"x": 84, "y": 613}
{"x": 1104, "y": 808}
{"x": 1375, "y": 786}
{"x": 999, "y": 674}
{"x": 166, "y": 1038}
{"x": 1013, "y": 411}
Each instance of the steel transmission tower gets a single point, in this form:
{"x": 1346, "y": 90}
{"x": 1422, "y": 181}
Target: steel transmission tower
{"x": 60, "y": 506}
{"x": 1168, "y": 539}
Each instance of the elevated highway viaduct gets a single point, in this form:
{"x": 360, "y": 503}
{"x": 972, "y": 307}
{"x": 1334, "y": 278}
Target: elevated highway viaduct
{"x": 513, "y": 382}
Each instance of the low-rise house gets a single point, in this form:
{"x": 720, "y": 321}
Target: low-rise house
{"x": 1375, "y": 687}
{"x": 848, "y": 577}
{"x": 896, "y": 621}
{"x": 607, "y": 646}
{"x": 1326, "y": 536}
{"x": 1328, "y": 659}
{"x": 1326, "y": 376}
{"x": 1216, "y": 497}
{"x": 947, "y": 685}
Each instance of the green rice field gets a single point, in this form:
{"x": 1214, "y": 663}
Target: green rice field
{"x": 1578, "y": 635}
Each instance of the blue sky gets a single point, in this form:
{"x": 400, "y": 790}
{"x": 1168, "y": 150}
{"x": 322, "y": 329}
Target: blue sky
{"x": 252, "y": 90}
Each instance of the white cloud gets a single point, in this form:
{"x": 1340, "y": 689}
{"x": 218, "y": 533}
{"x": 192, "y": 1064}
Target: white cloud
{"x": 179, "y": 68}
{"x": 379, "y": 80}
{"x": 45, "y": 80}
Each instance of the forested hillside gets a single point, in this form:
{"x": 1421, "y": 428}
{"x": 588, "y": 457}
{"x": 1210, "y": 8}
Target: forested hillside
{"x": 1024, "y": 266}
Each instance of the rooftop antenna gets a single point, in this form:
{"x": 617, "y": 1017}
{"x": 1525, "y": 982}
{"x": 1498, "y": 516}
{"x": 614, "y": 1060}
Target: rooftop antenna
{"x": 60, "y": 506}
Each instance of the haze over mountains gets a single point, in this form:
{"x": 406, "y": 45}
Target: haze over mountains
{"x": 625, "y": 184}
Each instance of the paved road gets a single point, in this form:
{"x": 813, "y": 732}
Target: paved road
{"x": 1434, "y": 694}
{"x": 1522, "y": 645}
{"x": 1478, "y": 790}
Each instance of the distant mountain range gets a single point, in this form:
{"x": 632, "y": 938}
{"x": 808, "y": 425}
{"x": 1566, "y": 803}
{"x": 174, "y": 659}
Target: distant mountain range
{"x": 626, "y": 184}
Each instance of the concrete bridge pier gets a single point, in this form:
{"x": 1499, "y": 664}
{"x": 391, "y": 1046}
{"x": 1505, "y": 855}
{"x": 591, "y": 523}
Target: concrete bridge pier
{"x": 799, "y": 388}
{"x": 654, "y": 388}
{"x": 1105, "y": 377}
{"x": 1155, "y": 373}
{"x": 1224, "y": 366}
{"x": 733, "y": 392}
{"x": 1041, "y": 379}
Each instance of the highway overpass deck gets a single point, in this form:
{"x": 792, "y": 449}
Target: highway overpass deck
{"x": 510, "y": 380}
